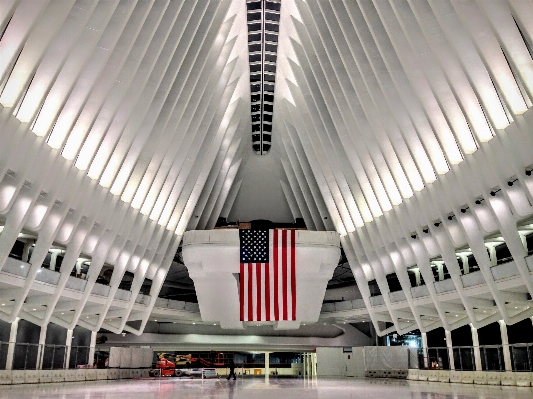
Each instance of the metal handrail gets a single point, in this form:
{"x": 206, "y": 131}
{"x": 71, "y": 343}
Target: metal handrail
{"x": 491, "y": 357}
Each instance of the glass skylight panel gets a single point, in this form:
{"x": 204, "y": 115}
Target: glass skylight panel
{"x": 263, "y": 27}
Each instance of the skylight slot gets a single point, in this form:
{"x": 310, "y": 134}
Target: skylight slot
{"x": 263, "y": 27}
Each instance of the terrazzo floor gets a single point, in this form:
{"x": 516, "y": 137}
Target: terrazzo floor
{"x": 260, "y": 388}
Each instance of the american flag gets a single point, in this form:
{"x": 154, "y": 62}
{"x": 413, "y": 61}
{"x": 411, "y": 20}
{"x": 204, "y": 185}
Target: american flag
{"x": 267, "y": 275}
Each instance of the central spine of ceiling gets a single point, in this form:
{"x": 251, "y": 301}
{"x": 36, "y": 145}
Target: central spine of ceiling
{"x": 263, "y": 29}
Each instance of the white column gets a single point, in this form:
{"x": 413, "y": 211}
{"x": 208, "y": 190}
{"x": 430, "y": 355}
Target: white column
{"x": 417, "y": 277}
{"x": 42, "y": 343}
{"x": 313, "y": 359}
{"x": 425, "y": 349}
{"x": 267, "y": 365}
{"x": 79, "y": 264}
{"x": 440, "y": 269}
{"x": 53, "y": 260}
{"x": 26, "y": 251}
{"x": 477, "y": 352}
{"x": 492, "y": 254}
{"x": 92, "y": 348}
{"x": 68, "y": 344}
{"x": 12, "y": 343}
{"x": 506, "y": 349}
{"x": 450, "y": 349}
{"x": 466, "y": 266}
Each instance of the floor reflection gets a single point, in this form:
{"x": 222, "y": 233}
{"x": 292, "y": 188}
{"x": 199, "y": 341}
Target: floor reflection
{"x": 258, "y": 388}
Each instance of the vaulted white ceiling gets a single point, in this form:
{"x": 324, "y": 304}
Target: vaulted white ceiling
{"x": 125, "y": 123}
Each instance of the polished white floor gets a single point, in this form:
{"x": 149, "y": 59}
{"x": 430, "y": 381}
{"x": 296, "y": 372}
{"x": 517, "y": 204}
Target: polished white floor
{"x": 259, "y": 388}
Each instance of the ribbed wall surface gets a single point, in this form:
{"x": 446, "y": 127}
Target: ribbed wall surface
{"x": 414, "y": 119}
{"x": 114, "y": 114}
{"x": 406, "y": 126}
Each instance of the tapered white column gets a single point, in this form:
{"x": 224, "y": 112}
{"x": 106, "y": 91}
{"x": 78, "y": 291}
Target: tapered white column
{"x": 425, "y": 349}
{"x": 92, "y": 347}
{"x": 53, "y": 260}
{"x": 492, "y": 254}
{"x": 440, "y": 269}
{"x": 477, "y": 352}
{"x": 505, "y": 344}
{"x": 12, "y": 343}
{"x": 449, "y": 345}
{"x": 418, "y": 281}
{"x": 79, "y": 264}
{"x": 464, "y": 261}
{"x": 26, "y": 251}
{"x": 68, "y": 344}
{"x": 42, "y": 343}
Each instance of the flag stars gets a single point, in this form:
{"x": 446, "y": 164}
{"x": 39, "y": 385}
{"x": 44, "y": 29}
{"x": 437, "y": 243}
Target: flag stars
{"x": 254, "y": 246}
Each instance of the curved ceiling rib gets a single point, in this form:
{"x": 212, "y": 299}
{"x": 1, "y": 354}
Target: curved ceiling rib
{"x": 404, "y": 126}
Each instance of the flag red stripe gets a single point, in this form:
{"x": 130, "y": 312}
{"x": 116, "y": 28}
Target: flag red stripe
{"x": 250, "y": 293}
{"x": 293, "y": 273}
{"x": 258, "y": 289}
{"x": 241, "y": 275}
{"x": 276, "y": 261}
{"x": 284, "y": 265}
{"x": 267, "y": 291}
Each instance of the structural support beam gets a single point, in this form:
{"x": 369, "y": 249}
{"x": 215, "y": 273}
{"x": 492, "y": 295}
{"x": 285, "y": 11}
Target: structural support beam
{"x": 42, "y": 343}
{"x": 267, "y": 365}
{"x": 92, "y": 347}
{"x": 449, "y": 345}
{"x": 12, "y": 343}
{"x": 425, "y": 349}
{"x": 505, "y": 345}
{"x": 477, "y": 352}
{"x": 68, "y": 344}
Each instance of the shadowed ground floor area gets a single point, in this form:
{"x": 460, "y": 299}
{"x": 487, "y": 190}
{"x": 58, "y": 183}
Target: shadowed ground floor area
{"x": 255, "y": 388}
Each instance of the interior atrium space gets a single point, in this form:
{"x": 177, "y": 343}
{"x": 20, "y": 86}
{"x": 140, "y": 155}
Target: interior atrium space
{"x": 327, "y": 198}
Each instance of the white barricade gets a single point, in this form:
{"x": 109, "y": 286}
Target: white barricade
{"x": 135, "y": 373}
{"x": 423, "y": 375}
{"x": 70, "y": 375}
{"x": 401, "y": 374}
{"x": 523, "y": 379}
{"x": 113, "y": 374}
{"x": 480, "y": 378}
{"x": 493, "y": 378}
{"x": 433, "y": 375}
{"x": 31, "y": 376}
{"x": 412, "y": 374}
{"x": 444, "y": 375}
{"x": 45, "y": 376}
{"x": 5, "y": 377}
{"x": 101, "y": 374}
{"x": 508, "y": 378}
{"x": 58, "y": 376}
{"x": 125, "y": 374}
{"x": 455, "y": 376}
{"x": 80, "y": 374}
{"x": 18, "y": 377}
{"x": 91, "y": 375}
{"x": 145, "y": 373}
{"x": 467, "y": 377}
